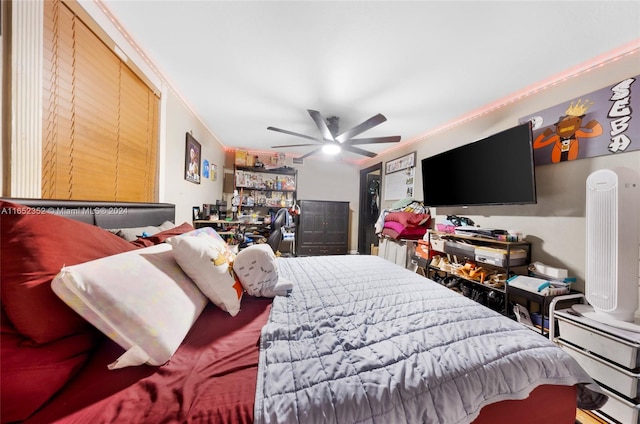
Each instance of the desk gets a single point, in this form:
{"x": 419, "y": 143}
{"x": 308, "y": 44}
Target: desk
{"x": 225, "y": 229}
{"x": 229, "y": 229}
{"x": 217, "y": 223}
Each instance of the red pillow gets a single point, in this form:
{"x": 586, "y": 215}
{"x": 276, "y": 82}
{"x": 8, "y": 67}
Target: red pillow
{"x": 409, "y": 219}
{"x": 32, "y": 374}
{"x": 33, "y": 248}
{"x": 162, "y": 235}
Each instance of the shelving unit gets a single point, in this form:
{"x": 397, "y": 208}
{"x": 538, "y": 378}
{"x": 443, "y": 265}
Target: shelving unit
{"x": 543, "y": 303}
{"x": 482, "y": 251}
{"x": 266, "y": 188}
{"x": 610, "y": 355}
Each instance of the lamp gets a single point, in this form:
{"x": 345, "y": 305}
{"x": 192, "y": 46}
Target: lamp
{"x": 331, "y": 148}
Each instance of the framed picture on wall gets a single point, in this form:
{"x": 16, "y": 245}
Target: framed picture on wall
{"x": 192, "y": 155}
{"x": 213, "y": 172}
{"x": 403, "y": 162}
{"x": 205, "y": 169}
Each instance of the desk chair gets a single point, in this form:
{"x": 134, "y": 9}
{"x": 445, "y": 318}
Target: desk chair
{"x": 276, "y": 229}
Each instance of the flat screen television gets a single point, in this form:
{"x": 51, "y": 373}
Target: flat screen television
{"x": 497, "y": 170}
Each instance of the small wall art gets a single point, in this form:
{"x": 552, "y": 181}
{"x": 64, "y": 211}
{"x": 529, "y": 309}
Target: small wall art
{"x": 213, "y": 171}
{"x": 193, "y": 152}
{"x": 599, "y": 123}
{"x": 403, "y": 162}
{"x": 399, "y": 177}
{"x": 205, "y": 169}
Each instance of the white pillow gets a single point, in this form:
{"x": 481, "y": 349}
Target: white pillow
{"x": 131, "y": 234}
{"x": 257, "y": 268}
{"x": 209, "y": 263}
{"x": 141, "y": 299}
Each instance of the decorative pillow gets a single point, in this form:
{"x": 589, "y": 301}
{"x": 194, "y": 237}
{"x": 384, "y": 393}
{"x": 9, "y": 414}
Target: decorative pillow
{"x": 209, "y": 263}
{"x": 162, "y": 236}
{"x": 142, "y": 300}
{"x": 257, "y": 269}
{"x": 205, "y": 230}
{"x": 398, "y": 231}
{"x": 131, "y": 234}
{"x": 409, "y": 218}
{"x": 31, "y": 374}
{"x": 33, "y": 248}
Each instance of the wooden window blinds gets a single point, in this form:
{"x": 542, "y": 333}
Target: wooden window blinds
{"x": 100, "y": 121}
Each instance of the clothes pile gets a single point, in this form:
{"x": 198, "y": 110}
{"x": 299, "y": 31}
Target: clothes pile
{"x": 406, "y": 219}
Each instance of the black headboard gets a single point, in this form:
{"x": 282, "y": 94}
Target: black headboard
{"x": 107, "y": 215}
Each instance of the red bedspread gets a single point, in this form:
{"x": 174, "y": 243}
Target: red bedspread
{"x": 211, "y": 378}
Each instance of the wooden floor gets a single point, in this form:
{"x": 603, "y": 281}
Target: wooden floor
{"x": 586, "y": 417}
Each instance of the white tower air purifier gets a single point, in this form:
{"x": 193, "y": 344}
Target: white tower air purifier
{"x": 611, "y": 276}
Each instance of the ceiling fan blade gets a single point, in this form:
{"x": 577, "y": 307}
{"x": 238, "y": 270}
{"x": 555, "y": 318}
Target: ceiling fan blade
{"x": 358, "y": 129}
{"x": 314, "y": 151}
{"x": 358, "y": 151}
{"x": 390, "y": 139}
{"x": 293, "y": 145}
{"x": 295, "y": 133}
{"x": 322, "y": 124}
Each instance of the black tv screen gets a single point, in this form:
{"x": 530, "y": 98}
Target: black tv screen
{"x": 497, "y": 170}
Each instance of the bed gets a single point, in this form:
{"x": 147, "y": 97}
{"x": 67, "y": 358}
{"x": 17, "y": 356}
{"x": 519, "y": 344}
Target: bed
{"x": 357, "y": 339}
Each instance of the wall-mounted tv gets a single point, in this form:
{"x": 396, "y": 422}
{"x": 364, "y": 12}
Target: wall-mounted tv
{"x": 497, "y": 170}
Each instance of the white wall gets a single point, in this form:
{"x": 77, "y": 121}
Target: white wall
{"x": 556, "y": 224}
{"x": 178, "y": 120}
{"x": 320, "y": 179}
{"x": 317, "y": 179}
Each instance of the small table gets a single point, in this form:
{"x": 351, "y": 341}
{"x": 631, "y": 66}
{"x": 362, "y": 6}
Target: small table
{"x": 542, "y": 301}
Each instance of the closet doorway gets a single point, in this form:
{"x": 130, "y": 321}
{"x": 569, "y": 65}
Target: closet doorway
{"x": 370, "y": 181}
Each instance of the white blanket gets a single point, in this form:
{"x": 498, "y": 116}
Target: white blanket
{"x": 361, "y": 340}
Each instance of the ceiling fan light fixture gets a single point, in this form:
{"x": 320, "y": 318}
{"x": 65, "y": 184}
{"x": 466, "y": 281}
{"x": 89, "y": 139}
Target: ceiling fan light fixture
{"x": 331, "y": 149}
{"x": 331, "y": 142}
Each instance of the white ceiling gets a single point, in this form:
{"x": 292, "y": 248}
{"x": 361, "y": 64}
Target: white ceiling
{"x": 245, "y": 65}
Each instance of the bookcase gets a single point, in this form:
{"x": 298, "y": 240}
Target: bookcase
{"x": 266, "y": 188}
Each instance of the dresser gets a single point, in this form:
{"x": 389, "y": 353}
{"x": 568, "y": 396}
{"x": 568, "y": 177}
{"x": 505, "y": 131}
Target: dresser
{"x": 322, "y": 228}
{"x": 610, "y": 355}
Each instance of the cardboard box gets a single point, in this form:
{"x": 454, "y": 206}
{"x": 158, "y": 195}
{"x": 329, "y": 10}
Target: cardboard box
{"x": 498, "y": 257}
{"x": 241, "y": 158}
{"x": 422, "y": 249}
{"x": 437, "y": 243}
{"x": 461, "y": 250}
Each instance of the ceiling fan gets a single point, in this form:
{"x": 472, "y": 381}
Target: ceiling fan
{"x": 333, "y": 140}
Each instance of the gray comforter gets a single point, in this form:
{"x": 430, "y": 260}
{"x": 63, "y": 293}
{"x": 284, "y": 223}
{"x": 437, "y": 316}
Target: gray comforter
{"x": 362, "y": 340}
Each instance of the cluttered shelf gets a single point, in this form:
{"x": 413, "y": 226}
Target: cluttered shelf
{"x": 481, "y": 238}
{"x": 497, "y": 273}
{"x": 240, "y": 234}
{"x": 259, "y": 187}
{"x": 536, "y": 318}
{"x": 475, "y": 265}
{"x": 490, "y": 293}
